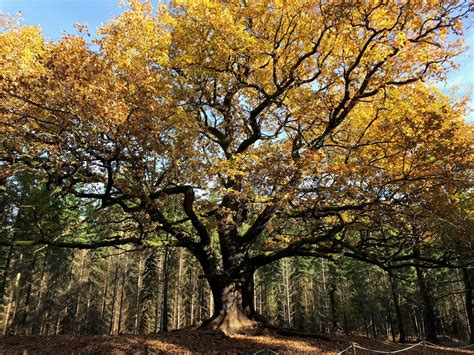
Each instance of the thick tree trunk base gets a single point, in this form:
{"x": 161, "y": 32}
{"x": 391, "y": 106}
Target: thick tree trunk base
{"x": 241, "y": 324}
{"x": 234, "y": 322}
{"x": 235, "y": 313}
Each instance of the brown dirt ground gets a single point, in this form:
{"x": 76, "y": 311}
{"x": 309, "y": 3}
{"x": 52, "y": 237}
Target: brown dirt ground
{"x": 187, "y": 342}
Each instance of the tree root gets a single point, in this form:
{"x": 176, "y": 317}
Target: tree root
{"x": 257, "y": 325}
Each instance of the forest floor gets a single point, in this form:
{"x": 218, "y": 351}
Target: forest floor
{"x": 187, "y": 342}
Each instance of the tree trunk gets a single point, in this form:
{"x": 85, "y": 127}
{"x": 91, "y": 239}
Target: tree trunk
{"x": 332, "y": 302}
{"x": 114, "y": 298}
{"x": 372, "y": 322}
{"x": 122, "y": 296}
{"x": 5, "y": 275}
{"x": 234, "y": 309}
{"x": 138, "y": 299}
{"x": 398, "y": 311}
{"x": 77, "y": 301}
{"x": 416, "y": 324}
{"x": 36, "y": 323}
{"x": 177, "y": 299}
{"x": 158, "y": 297}
{"x": 164, "y": 304}
{"x": 104, "y": 292}
{"x": 192, "y": 303}
{"x": 468, "y": 276}
{"x": 286, "y": 274}
{"x": 85, "y": 326}
{"x": 22, "y": 319}
{"x": 429, "y": 317}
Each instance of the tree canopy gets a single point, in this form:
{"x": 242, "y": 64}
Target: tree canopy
{"x": 248, "y": 131}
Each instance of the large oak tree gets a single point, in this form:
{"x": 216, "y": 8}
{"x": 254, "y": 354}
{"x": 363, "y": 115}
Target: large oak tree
{"x": 281, "y": 128}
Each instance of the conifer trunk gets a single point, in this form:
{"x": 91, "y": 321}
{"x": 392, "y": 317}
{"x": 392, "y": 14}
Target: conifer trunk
{"x": 164, "y": 305}
{"x": 468, "y": 285}
{"x": 429, "y": 317}
{"x": 5, "y": 274}
{"x": 398, "y": 311}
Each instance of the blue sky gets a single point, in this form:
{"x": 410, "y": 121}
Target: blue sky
{"x": 55, "y": 16}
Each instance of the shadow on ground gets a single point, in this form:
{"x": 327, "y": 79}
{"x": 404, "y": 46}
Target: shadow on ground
{"x": 186, "y": 342}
